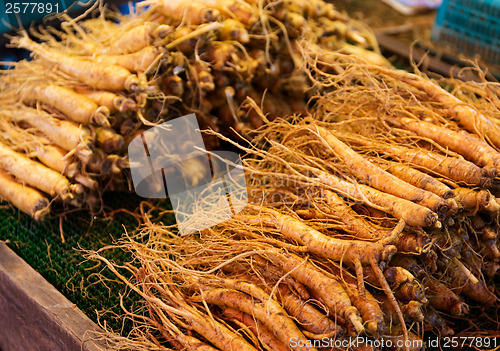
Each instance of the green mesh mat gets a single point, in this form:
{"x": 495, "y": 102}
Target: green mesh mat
{"x": 63, "y": 264}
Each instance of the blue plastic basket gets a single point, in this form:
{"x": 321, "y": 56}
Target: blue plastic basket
{"x": 471, "y": 26}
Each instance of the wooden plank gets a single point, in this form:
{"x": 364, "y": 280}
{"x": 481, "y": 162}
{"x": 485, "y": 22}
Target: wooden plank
{"x": 35, "y": 316}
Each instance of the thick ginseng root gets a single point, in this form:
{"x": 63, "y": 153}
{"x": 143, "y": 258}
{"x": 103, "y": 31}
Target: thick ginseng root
{"x": 315, "y": 324}
{"x": 135, "y": 39}
{"x": 23, "y": 197}
{"x": 113, "y": 102}
{"x": 395, "y": 276}
{"x": 54, "y": 157}
{"x": 76, "y": 107}
{"x": 109, "y": 141}
{"x": 192, "y": 12}
{"x": 265, "y": 336}
{"x": 466, "y": 115}
{"x": 463, "y": 281}
{"x": 456, "y": 169}
{"x": 241, "y": 10}
{"x": 219, "y": 335}
{"x": 317, "y": 242}
{"x": 329, "y": 290}
{"x": 95, "y": 75}
{"x": 442, "y": 298}
{"x": 366, "y": 303}
{"x": 412, "y": 311}
{"x": 33, "y": 173}
{"x": 66, "y": 134}
{"x": 415, "y": 243}
{"x": 233, "y": 30}
{"x": 140, "y": 61}
{"x": 410, "y": 291}
{"x": 468, "y": 145}
{"x": 417, "y": 178}
{"x": 413, "y": 214}
{"x": 475, "y": 200}
{"x": 376, "y": 177}
{"x": 308, "y": 316}
{"x": 353, "y": 222}
{"x": 269, "y": 313}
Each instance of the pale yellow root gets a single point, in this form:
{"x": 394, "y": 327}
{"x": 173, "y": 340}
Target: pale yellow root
{"x": 95, "y": 75}
{"x": 65, "y": 134}
{"x": 23, "y": 197}
{"x": 139, "y": 61}
{"x": 33, "y": 173}
{"x": 112, "y": 101}
{"x": 269, "y": 313}
{"x": 76, "y": 107}
{"x": 413, "y": 214}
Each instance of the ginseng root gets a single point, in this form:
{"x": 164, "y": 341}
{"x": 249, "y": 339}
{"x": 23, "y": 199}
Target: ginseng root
{"x": 23, "y": 197}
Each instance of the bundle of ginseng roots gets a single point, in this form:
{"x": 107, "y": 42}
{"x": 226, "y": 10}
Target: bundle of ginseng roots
{"x": 374, "y": 215}
{"x": 100, "y": 80}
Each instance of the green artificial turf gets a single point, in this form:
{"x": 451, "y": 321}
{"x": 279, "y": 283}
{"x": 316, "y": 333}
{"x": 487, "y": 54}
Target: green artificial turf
{"x": 64, "y": 265}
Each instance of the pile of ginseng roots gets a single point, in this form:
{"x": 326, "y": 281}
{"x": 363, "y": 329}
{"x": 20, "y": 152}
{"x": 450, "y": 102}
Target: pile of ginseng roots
{"x": 374, "y": 215}
{"x": 101, "y": 79}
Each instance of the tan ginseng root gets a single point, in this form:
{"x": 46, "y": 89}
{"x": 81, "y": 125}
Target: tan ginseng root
{"x": 329, "y": 290}
{"x": 134, "y": 39}
{"x": 35, "y": 144}
{"x": 412, "y": 311}
{"x": 192, "y": 12}
{"x": 408, "y": 263}
{"x": 265, "y": 336}
{"x": 375, "y": 176}
{"x": 395, "y": 276}
{"x": 95, "y": 75}
{"x": 35, "y": 174}
{"x": 367, "y": 305}
{"x": 315, "y": 324}
{"x": 268, "y": 312}
{"x": 457, "y": 170}
{"x": 469, "y": 117}
{"x": 113, "y": 101}
{"x": 470, "y": 146}
{"x": 172, "y": 303}
{"x": 27, "y": 199}
{"x": 414, "y": 243}
{"x": 413, "y": 214}
{"x": 140, "y": 61}
{"x": 417, "y": 178}
{"x": 464, "y": 281}
{"x": 334, "y": 207}
{"x": 76, "y": 107}
{"x": 68, "y": 135}
{"x": 443, "y": 298}
{"x": 476, "y": 200}
{"x": 360, "y": 227}
{"x": 56, "y": 158}
{"x": 108, "y": 140}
